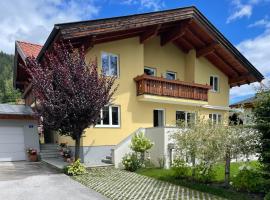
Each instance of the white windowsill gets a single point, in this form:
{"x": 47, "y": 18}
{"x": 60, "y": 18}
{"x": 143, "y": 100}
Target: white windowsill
{"x": 107, "y": 126}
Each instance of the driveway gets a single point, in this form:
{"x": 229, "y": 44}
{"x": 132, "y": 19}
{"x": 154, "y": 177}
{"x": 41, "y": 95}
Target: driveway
{"x": 28, "y": 181}
{"x": 123, "y": 185}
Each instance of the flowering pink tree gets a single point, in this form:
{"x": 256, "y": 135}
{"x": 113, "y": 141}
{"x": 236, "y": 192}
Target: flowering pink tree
{"x": 69, "y": 92}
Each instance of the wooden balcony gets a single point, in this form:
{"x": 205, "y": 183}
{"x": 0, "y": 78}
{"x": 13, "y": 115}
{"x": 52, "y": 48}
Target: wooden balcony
{"x": 171, "y": 88}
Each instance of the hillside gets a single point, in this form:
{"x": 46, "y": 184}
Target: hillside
{"x": 7, "y": 92}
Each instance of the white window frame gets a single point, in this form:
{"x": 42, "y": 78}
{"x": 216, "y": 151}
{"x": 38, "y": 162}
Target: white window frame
{"x": 186, "y": 116}
{"x": 171, "y": 72}
{"x": 110, "y": 125}
{"x": 218, "y": 117}
{"x": 151, "y": 68}
{"x": 109, "y": 54}
{"x": 218, "y": 81}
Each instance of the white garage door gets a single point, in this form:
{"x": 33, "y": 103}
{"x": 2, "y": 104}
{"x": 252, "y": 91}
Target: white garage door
{"x": 11, "y": 143}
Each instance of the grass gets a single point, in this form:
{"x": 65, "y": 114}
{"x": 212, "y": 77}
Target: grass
{"x": 220, "y": 170}
{"x": 216, "y": 189}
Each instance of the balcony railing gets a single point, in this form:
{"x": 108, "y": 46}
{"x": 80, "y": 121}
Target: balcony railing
{"x": 171, "y": 88}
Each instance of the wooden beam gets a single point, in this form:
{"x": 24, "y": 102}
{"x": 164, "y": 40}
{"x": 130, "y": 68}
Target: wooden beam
{"x": 207, "y": 49}
{"x": 147, "y": 35}
{"x": 242, "y": 78}
{"x": 175, "y": 33}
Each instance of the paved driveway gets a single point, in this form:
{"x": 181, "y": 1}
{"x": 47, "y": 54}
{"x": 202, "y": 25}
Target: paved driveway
{"x": 37, "y": 181}
{"x": 122, "y": 185}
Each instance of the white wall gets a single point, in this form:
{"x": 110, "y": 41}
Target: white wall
{"x": 120, "y": 150}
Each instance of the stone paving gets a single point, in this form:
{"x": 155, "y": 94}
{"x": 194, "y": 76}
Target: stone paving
{"x": 122, "y": 185}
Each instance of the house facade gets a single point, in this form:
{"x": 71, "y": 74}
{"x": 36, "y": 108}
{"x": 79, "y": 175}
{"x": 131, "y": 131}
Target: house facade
{"x": 170, "y": 65}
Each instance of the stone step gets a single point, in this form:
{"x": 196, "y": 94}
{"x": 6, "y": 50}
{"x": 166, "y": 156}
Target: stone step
{"x": 50, "y": 156}
{"x": 108, "y": 157}
{"x": 49, "y": 147}
{"x": 106, "y": 161}
{"x": 43, "y": 155}
{"x": 49, "y": 150}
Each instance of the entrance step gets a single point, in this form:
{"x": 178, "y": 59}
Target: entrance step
{"x": 108, "y": 159}
{"x": 49, "y": 151}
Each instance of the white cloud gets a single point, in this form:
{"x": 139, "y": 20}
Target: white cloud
{"x": 265, "y": 23}
{"x": 33, "y": 20}
{"x": 257, "y": 51}
{"x": 146, "y": 4}
{"x": 240, "y": 10}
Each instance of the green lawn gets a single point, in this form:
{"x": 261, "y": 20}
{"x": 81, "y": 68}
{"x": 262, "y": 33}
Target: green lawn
{"x": 216, "y": 189}
{"x": 220, "y": 170}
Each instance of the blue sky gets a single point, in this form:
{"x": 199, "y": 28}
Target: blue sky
{"x": 246, "y": 23}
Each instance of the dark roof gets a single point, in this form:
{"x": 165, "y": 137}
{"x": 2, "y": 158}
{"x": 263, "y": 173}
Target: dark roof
{"x": 201, "y": 33}
{"x": 9, "y": 109}
{"x": 247, "y": 101}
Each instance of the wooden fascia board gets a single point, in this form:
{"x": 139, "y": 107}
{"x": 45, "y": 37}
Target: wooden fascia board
{"x": 239, "y": 79}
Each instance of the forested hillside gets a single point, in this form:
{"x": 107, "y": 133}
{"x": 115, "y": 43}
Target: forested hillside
{"x": 7, "y": 92}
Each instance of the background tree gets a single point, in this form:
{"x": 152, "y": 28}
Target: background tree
{"x": 262, "y": 122}
{"x": 70, "y": 93}
{"x": 7, "y": 92}
{"x": 208, "y": 144}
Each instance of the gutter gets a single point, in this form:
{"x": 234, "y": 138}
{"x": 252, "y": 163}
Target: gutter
{"x": 48, "y": 42}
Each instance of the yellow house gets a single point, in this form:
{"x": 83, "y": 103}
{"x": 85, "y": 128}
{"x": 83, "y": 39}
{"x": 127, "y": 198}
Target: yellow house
{"x": 170, "y": 65}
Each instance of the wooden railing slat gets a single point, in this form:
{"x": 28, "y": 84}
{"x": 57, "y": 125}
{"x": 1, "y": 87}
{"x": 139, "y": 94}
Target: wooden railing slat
{"x": 178, "y": 89}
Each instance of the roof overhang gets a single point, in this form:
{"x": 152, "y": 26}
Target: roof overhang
{"x": 186, "y": 27}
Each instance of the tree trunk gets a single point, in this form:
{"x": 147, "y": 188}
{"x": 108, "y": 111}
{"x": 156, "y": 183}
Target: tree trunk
{"x": 77, "y": 147}
{"x": 227, "y": 168}
{"x": 193, "y": 161}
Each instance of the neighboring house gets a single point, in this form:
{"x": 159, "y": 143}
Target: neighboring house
{"x": 18, "y": 131}
{"x": 171, "y": 65}
{"x": 243, "y": 110}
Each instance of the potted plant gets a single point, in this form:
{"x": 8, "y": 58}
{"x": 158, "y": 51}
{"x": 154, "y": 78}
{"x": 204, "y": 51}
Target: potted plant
{"x": 32, "y": 154}
{"x": 67, "y": 154}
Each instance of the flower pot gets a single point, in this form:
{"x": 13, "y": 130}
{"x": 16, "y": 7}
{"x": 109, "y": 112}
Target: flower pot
{"x": 33, "y": 158}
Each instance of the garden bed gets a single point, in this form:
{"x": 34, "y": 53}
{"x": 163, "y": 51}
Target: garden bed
{"x": 215, "y": 187}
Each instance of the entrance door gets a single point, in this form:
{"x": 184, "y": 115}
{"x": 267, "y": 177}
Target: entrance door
{"x": 158, "y": 118}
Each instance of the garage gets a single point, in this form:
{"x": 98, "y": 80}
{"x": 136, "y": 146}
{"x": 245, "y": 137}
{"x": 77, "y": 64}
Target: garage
{"x": 18, "y": 131}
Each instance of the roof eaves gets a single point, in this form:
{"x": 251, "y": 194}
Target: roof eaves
{"x": 48, "y": 42}
{"x": 228, "y": 44}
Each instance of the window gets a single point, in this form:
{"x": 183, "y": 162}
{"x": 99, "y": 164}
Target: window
{"x": 187, "y": 118}
{"x": 150, "y": 71}
{"x": 110, "y": 64}
{"x": 214, "y": 83}
{"x": 171, "y": 75}
{"x": 215, "y": 118}
{"x": 109, "y": 117}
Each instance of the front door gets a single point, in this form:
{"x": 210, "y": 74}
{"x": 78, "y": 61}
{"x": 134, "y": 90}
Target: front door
{"x": 158, "y": 118}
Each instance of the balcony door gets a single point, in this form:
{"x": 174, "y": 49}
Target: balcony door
{"x": 158, "y": 118}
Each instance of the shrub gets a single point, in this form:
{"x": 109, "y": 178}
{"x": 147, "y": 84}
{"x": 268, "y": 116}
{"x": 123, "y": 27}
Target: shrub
{"x": 74, "y": 169}
{"x": 267, "y": 196}
{"x": 180, "y": 168}
{"x": 131, "y": 162}
{"x": 204, "y": 173}
{"x": 249, "y": 180}
{"x": 140, "y": 143}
